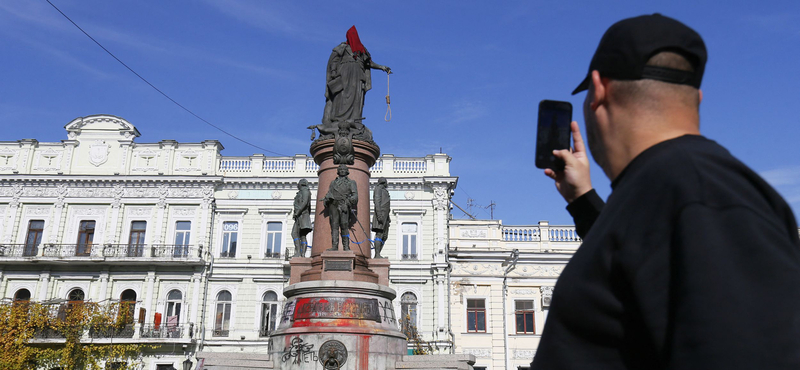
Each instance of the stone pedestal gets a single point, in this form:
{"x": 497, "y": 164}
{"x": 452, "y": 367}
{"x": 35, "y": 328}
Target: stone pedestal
{"x": 365, "y": 156}
{"x": 298, "y": 265}
{"x": 349, "y": 324}
{"x": 380, "y": 267}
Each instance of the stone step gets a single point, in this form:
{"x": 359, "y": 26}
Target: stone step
{"x": 433, "y": 365}
{"x": 470, "y": 359}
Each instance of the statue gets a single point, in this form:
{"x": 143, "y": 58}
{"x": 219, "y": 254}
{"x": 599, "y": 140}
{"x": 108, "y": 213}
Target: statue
{"x": 380, "y": 220}
{"x": 340, "y": 201}
{"x": 302, "y": 218}
{"x": 348, "y": 78}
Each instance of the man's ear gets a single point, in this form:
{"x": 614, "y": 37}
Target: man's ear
{"x": 700, "y": 93}
{"x": 599, "y": 91}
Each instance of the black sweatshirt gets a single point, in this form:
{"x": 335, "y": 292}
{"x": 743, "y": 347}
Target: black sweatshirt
{"x": 694, "y": 263}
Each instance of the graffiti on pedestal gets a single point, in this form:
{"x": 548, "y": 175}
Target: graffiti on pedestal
{"x": 298, "y": 352}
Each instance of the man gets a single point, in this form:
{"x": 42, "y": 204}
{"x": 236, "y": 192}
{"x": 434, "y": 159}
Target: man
{"x": 694, "y": 262}
{"x": 380, "y": 220}
{"x": 302, "y": 218}
{"x": 342, "y": 197}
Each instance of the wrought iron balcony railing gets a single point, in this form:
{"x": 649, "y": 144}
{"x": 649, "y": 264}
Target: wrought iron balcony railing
{"x": 107, "y": 331}
{"x": 165, "y": 330}
{"x": 19, "y": 250}
{"x": 272, "y": 255}
{"x": 220, "y": 333}
{"x": 412, "y": 256}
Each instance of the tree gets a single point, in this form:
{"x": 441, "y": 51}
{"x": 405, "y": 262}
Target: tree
{"x": 24, "y": 326}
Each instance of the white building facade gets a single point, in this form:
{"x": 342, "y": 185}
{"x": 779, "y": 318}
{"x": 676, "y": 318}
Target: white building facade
{"x": 198, "y": 240}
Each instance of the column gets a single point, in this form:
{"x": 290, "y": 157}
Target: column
{"x": 195, "y": 298}
{"x": 103, "y": 293}
{"x": 44, "y": 285}
{"x": 151, "y": 279}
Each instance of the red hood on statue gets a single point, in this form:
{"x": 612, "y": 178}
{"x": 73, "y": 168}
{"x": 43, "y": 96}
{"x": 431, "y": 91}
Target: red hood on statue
{"x": 355, "y": 42}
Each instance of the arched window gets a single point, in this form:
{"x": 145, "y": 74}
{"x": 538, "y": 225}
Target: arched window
{"x": 269, "y": 313}
{"x": 76, "y": 296}
{"x": 22, "y": 295}
{"x": 408, "y": 309}
{"x": 127, "y": 302}
{"x": 173, "y": 308}
{"x": 222, "y": 321}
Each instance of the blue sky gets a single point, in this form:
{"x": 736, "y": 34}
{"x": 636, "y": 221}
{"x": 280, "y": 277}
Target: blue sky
{"x": 468, "y": 76}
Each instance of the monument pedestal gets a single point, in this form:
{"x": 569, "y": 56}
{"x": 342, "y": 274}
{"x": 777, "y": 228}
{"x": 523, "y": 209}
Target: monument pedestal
{"x": 338, "y": 312}
{"x": 337, "y": 324}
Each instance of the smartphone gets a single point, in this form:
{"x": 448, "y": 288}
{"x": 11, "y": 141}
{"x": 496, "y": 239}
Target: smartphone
{"x": 552, "y": 133}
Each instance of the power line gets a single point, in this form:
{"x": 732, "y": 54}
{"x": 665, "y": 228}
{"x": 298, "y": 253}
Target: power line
{"x": 159, "y": 90}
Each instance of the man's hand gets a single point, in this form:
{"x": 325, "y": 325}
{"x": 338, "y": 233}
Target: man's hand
{"x": 574, "y": 181}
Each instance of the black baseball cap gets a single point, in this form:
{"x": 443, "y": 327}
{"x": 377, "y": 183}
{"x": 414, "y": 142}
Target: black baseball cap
{"x": 628, "y": 44}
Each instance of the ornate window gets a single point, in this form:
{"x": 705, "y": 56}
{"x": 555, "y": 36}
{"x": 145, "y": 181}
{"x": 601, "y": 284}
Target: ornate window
{"x": 524, "y": 316}
{"x": 230, "y": 234}
{"x": 85, "y": 238}
{"x": 476, "y": 315}
{"x": 273, "y": 239}
{"x": 136, "y": 238}
{"x": 222, "y": 320}
{"x": 183, "y": 231}
{"x": 22, "y": 295}
{"x": 34, "y": 237}
{"x": 269, "y": 313}
{"x": 408, "y": 232}
{"x": 408, "y": 309}
{"x": 173, "y": 308}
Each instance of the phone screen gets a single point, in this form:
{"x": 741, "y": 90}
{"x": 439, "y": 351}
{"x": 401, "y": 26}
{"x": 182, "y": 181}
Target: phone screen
{"x": 552, "y": 133}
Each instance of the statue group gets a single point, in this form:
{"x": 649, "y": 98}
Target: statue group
{"x": 340, "y": 202}
{"x": 348, "y": 77}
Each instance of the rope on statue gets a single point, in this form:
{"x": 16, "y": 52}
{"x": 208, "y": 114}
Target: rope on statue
{"x": 388, "y": 116}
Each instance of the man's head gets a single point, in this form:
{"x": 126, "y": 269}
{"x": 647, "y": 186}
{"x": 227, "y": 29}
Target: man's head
{"x": 343, "y": 171}
{"x": 302, "y": 183}
{"x": 382, "y": 181}
{"x": 644, "y": 79}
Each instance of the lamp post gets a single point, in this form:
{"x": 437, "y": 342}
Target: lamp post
{"x": 187, "y": 365}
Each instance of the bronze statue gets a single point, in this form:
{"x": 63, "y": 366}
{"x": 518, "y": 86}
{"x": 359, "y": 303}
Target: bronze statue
{"x": 348, "y": 78}
{"x": 341, "y": 199}
{"x": 302, "y": 218}
{"x": 380, "y": 220}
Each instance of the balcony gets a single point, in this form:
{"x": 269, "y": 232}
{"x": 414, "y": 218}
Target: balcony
{"x": 107, "y": 332}
{"x": 18, "y": 250}
{"x": 409, "y": 257}
{"x": 272, "y": 255}
{"x": 303, "y": 166}
{"x": 117, "y": 253}
{"x": 131, "y": 333}
{"x": 166, "y": 331}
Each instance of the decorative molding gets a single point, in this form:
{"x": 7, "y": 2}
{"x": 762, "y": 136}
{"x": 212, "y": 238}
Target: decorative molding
{"x": 37, "y": 211}
{"x": 547, "y": 295}
{"x": 409, "y": 195}
{"x": 98, "y": 152}
{"x": 474, "y": 233}
{"x": 478, "y": 352}
{"x": 82, "y": 211}
{"x": 188, "y": 161}
{"x": 524, "y": 292}
{"x": 8, "y": 159}
{"x": 145, "y": 160}
{"x": 140, "y": 211}
{"x": 90, "y": 192}
{"x": 48, "y": 160}
{"x": 523, "y": 354}
{"x": 184, "y": 211}
{"x": 440, "y": 199}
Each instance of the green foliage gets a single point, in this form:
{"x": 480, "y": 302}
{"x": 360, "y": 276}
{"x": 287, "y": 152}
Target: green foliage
{"x": 421, "y": 347}
{"x": 25, "y": 325}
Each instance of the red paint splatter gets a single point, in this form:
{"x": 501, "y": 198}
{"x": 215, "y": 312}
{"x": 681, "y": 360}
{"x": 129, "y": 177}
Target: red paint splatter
{"x": 363, "y": 357}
